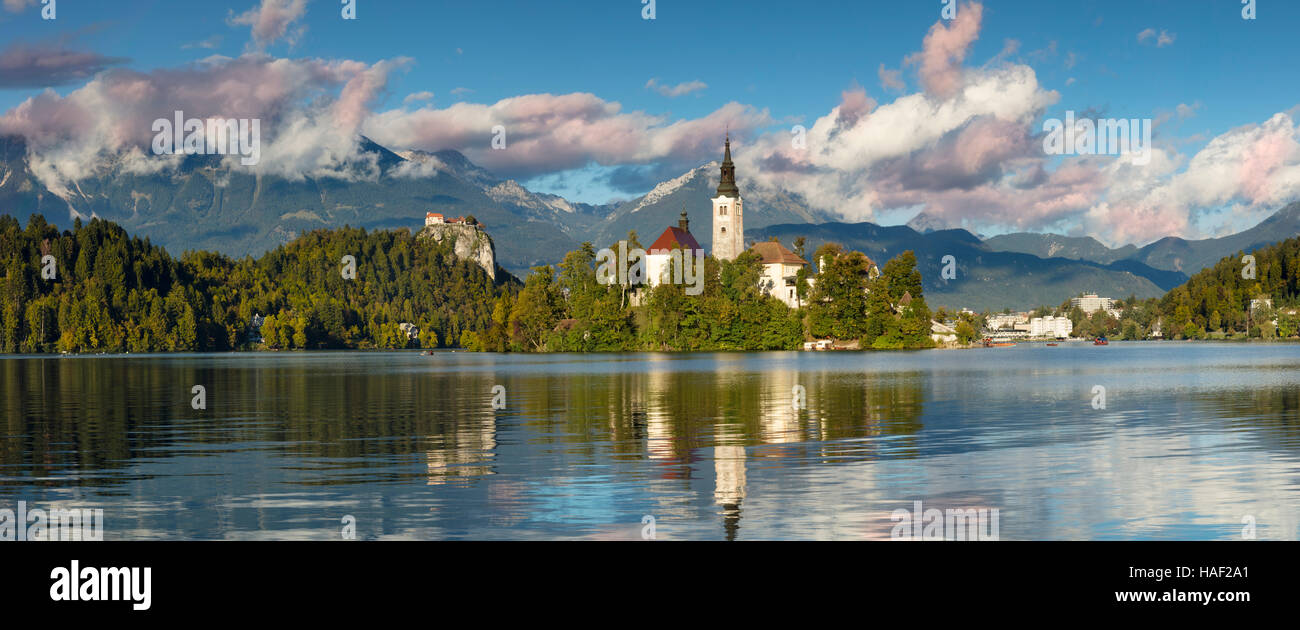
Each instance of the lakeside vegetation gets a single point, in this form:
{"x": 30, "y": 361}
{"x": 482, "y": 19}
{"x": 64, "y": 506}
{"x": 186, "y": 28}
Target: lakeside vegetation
{"x": 115, "y": 293}
{"x": 569, "y": 310}
{"x": 1215, "y": 303}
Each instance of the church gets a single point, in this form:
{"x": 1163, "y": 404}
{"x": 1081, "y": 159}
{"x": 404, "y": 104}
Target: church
{"x": 780, "y": 265}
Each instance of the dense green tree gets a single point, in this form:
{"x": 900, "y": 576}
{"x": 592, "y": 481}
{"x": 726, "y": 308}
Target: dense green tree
{"x": 115, "y": 293}
{"x": 838, "y": 302}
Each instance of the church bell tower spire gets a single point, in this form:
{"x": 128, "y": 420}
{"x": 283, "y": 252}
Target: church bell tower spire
{"x": 728, "y": 211}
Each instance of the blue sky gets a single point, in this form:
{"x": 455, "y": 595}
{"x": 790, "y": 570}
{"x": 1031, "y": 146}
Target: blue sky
{"x": 791, "y": 61}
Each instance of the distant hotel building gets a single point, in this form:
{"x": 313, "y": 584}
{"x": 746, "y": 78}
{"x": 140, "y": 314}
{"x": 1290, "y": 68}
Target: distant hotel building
{"x": 1055, "y": 327}
{"x": 999, "y": 321}
{"x": 1091, "y": 303}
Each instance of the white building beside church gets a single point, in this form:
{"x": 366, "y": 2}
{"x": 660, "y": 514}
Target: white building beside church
{"x": 780, "y": 267}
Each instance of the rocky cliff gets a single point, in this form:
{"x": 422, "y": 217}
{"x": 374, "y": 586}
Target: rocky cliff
{"x": 471, "y": 242}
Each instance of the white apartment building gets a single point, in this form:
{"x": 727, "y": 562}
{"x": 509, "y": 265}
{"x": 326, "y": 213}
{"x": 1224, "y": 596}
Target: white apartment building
{"x": 999, "y": 321}
{"x": 1091, "y": 303}
{"x": 1054, "y": 327}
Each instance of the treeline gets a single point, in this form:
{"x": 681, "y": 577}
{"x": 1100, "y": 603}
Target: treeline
{"x": 1215, "y": 303}
{"x": 880, "y": 308}
{"x": 104, "y": 291}
{"x": 566, "y": 309}
{"x": 1218, "y": 299}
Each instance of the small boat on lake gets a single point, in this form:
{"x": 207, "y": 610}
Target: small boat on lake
{"x": 1100, "y": 341}
{"x": 1053, "y": 345}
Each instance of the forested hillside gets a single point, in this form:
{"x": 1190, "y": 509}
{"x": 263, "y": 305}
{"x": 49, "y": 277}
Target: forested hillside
{"x": 110, "y": 292}
{"x": 1219, "y": 297}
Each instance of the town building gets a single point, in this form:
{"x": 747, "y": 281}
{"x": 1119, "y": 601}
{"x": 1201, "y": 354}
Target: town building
{"x": 1053, "y": 327}
{"x": 1262, "y": 302}
{"x": 1006, "y": 320}
{"x": 435, "y": 218}
{"x": 1090, "y": 303}
{"x": 942, "y": 333}
{"x": 780, "y": 268}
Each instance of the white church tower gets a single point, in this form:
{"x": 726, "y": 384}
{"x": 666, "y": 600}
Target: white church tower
{"x": 728, "y": 213}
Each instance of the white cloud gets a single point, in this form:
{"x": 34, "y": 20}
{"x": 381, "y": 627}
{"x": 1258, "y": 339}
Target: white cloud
{"x": 547, "y": 133}
{"x": 673, "y": 91}
{"x": 966, "y": 148}
{"x": 418, "y": 96}
{"x": 890, "y": 79}
{"x": 209, "y": 43}
{"x": 272, "y": 20}
{"x": 1162, "y": 39}
{"x": 310, "y": 112}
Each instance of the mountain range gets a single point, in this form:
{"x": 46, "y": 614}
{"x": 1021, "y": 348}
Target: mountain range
{"x": 1169, "y": 253}
{"x": 203, "y": 205}
{"x": 984, "y": 277}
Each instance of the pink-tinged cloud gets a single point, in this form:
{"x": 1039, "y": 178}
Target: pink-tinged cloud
{"x": 966, "y": 148}
{"x": 854, "y": 106}
{"x": 1138, "y": 223}
{"x": 27, "y": 66}
{"x": 945, "y": 48}
{"x": 271, "y": 21}
{"x": 1056, "y": 197}
{"x": 1252, "y": 170}
{"x": 17, "y": 6}
{"x": 891, "y": 80}
{"x": 547, "y": 133}
{"x": 304, "y": 126}
{"x": 1261, "y": 162}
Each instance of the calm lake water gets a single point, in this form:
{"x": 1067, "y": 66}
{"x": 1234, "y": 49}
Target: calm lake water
{"x": 1193, "y": 438}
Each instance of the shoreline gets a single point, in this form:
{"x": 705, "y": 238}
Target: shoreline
{"x": 427, "y": 352}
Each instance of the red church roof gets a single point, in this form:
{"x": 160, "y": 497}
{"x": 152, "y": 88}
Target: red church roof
{"x": 432, "y": 214}
{"x": 674, "y": 238}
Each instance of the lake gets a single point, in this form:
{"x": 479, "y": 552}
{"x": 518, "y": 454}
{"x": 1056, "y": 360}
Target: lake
{"x": 1140, "y": 440}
